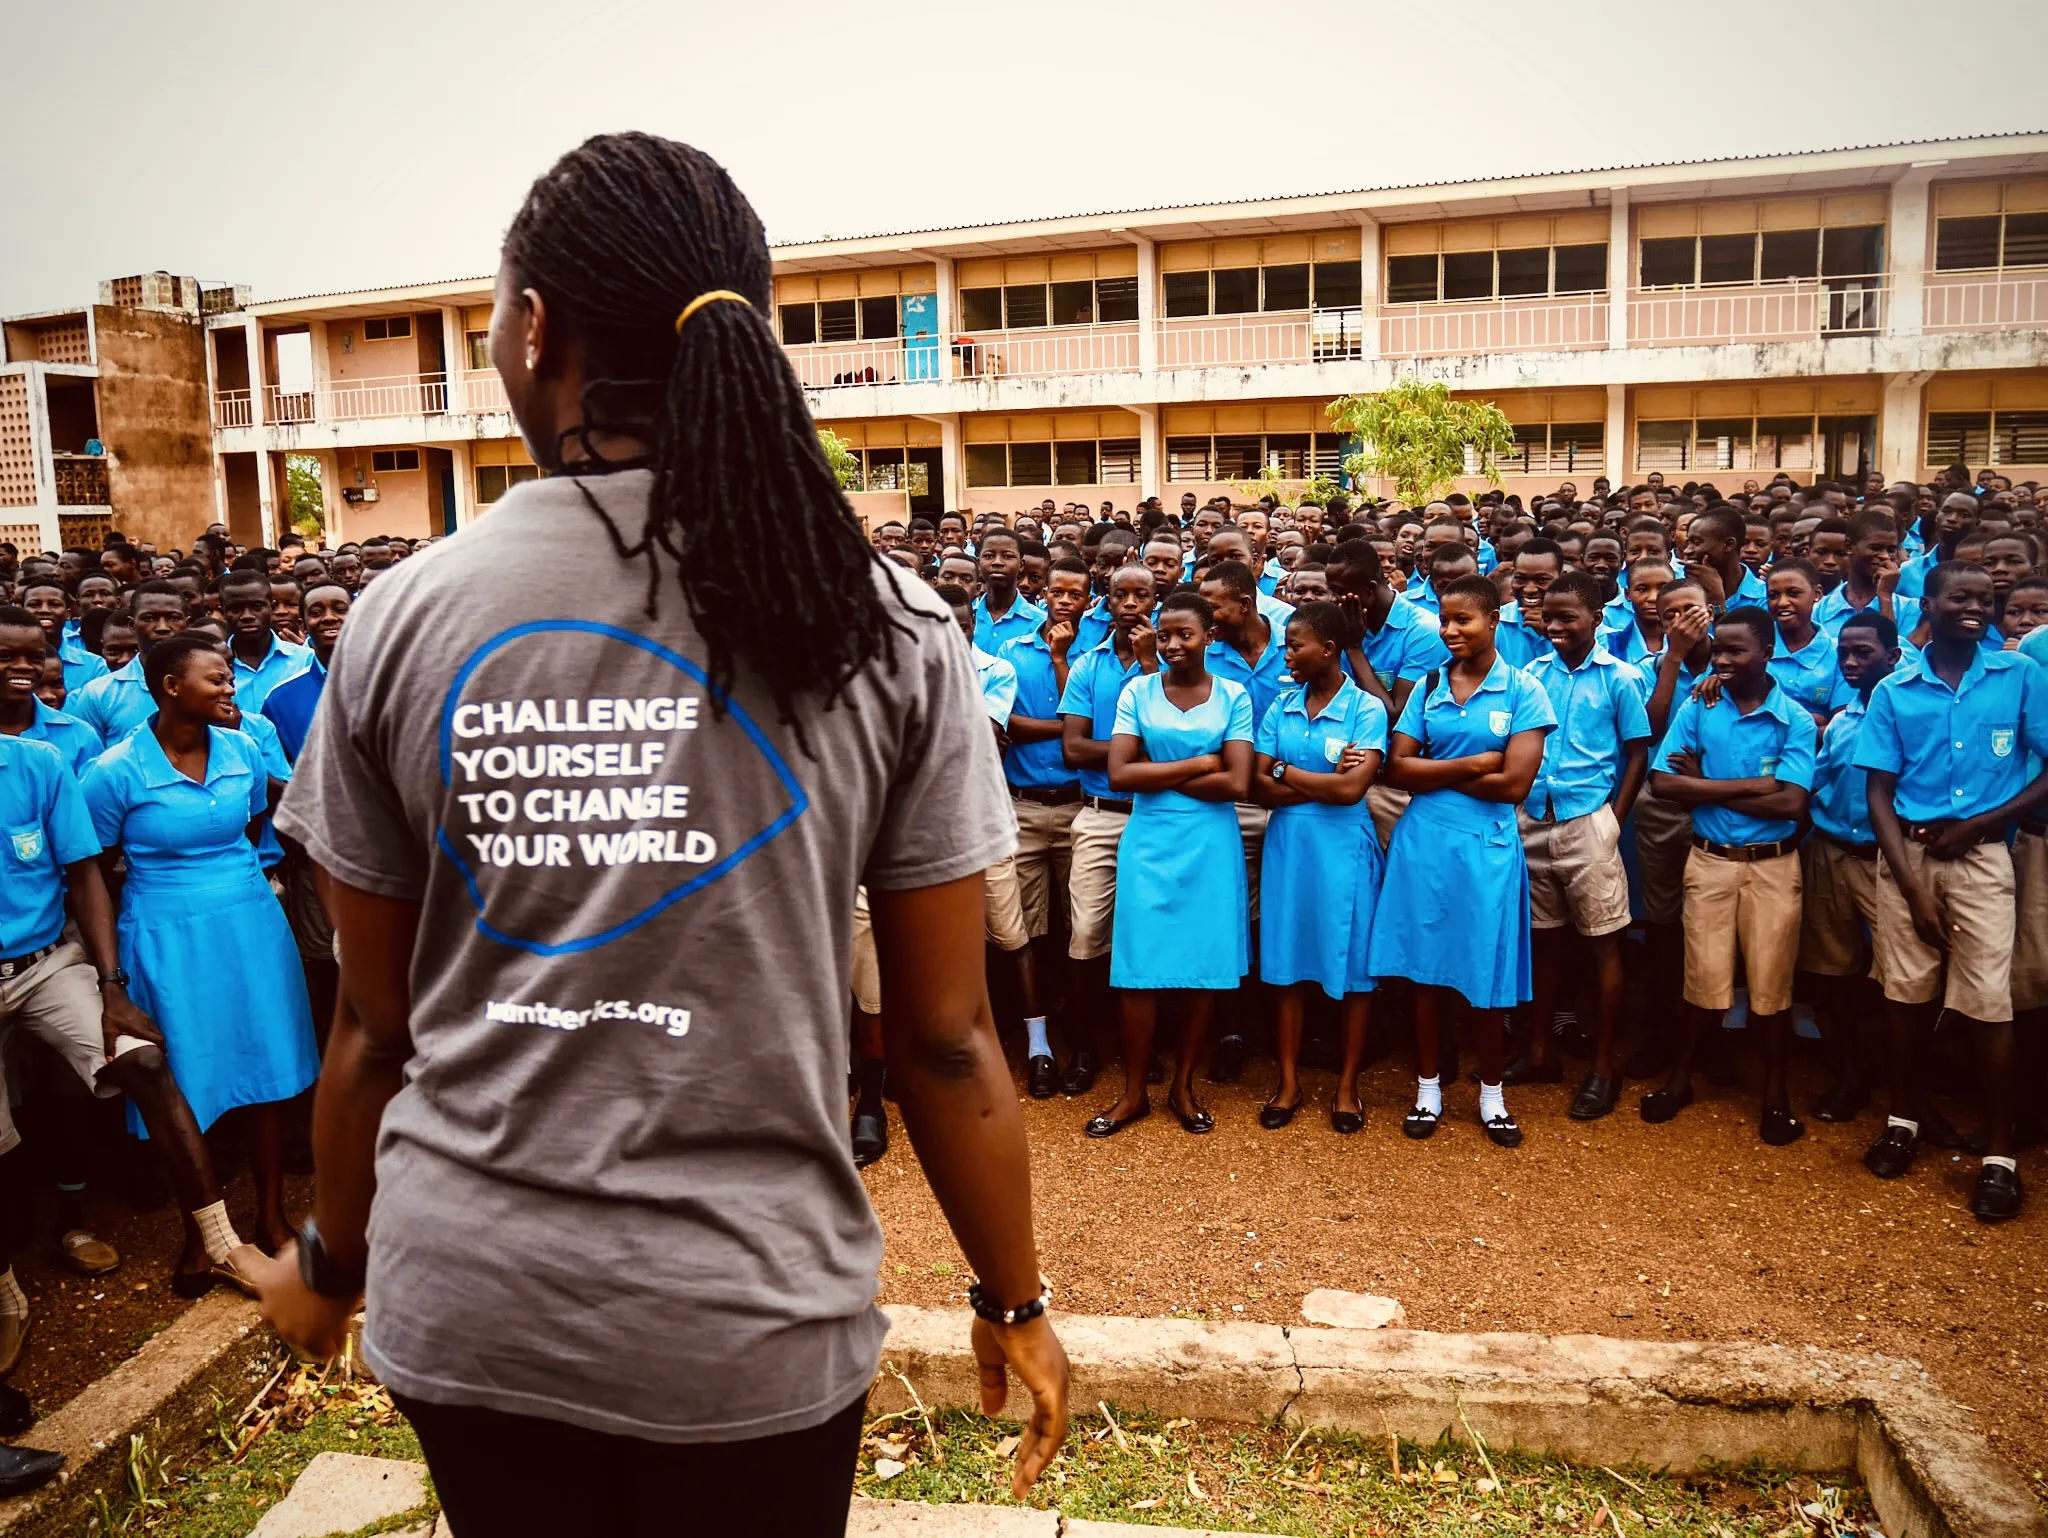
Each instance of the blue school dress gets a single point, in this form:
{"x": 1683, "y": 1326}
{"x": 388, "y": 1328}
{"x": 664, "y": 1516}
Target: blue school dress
{"x": 1454, "y": 907}
{"x": 1182, "y": 918}
{"x": 1319, "y": 879}
{"x": 206, "y": 944}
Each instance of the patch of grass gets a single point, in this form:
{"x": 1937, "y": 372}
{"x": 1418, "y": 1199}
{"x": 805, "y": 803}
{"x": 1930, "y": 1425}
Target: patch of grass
{"x": 1139, "y": 1468}
{"x": 255, "y": 1456}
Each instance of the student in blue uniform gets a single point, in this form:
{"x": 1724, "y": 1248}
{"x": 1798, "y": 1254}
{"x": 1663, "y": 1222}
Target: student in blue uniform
{"x": 1521, "y": 639}
{"x": 1953, "y": 521}
{"x": 45, "y": 599}
{"x": 323, "y": 610}
{"x": 1002, "y": 613}
{"x": 1803, "y": 660}
{"x": 1454, "y": 911}
{"x": 1740, "y": 756}
{"x": 1947, "y": 743}
{"x": 262, "y": 658}
{"x": 1112, "y": 552}
{"x": 1319, "y": 747}
{"x": 23, "y": 655}
{"x": 1713, "y": 558}
{"x": 1182, "y": 750}
{"x": 1838, "y": 870}
{"x": 204, "y": 941}
{"x": 115, "y": 705}
{"x": 1087, "y": 721}
{"x": 1871, "y": 578}
{"x": 1593, "y": 766}
{"x": 1638, "y": 632}
{"x": 1392, "y": 646}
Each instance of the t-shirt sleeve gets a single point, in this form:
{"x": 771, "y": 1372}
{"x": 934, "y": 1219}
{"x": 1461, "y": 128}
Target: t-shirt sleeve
{"x": 1425, "y": 650}
{"x": 343, "y": 802}
{"x": 1410, "y": 724}
{"x": 1241, "y": 728}
{"x": 1795, "y": 760}
{"x": 1268, "y": 739}
{"x": 1683, "y": 735}
{"x": 947, "y": 812}
{"x": 104, "y": 789}
{"x": 1369, "y": 731}
{"x": 1127, "y": 712}
{"x": 68, "y": 822}
{"x": 1078, "y": 698}
{"x": 1533, "y": 711}
{"x": 259, "y": 779}
{"x": 1877, "y": 745}
{"x": 1631, "y": 720}
{"x": 2034, "y": 708}
{"x": 999, "y": 692}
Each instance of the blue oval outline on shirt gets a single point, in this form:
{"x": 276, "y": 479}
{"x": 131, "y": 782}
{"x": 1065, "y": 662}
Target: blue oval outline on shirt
{"x": 799, "y": 801}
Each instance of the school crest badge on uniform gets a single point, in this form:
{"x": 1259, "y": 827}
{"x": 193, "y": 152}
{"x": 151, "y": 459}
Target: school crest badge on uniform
{"x": 1499, "y": 720}
{"x": 2001, "y": 742}
{"x": 1767, "y": 768}
{"x": 29, "y": 845}
{"x": 1333, "y": 749}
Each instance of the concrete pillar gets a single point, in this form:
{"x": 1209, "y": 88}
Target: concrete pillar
{"x": 252, "y": 329}
{"x": 948, "y": 306}
{"x": 1614, "y": 446}
{"x": 454, "y": 360}
{"x": 1905, "y": 239}
{"x": 1148, "y": 451}
{"x": 1148, "y": 307}
{"x": 1369, "y": 285}
{"x": 316, "y": 345}
{"x": 267, "y": 512}
{"x": 1899, "y": 429}
{"x": 1620, "y": 265}
{"x": 465, "y": 483}
{"x": 40, "y": 455}
{"x": 952, "y": 463}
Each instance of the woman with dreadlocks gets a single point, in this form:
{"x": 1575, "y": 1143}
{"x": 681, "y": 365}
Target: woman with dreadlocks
{"x": 591, "y": 790}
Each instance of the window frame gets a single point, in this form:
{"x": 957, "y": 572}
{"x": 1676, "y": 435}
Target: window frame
{"x": 397, "y": 465}
{"x": 1495, "y": 294}
{"x": 508, "y": 476}
{"x": 2003, "y": 220}
{"x": 387, "y": 322}
{"x": 1688, "y": 443}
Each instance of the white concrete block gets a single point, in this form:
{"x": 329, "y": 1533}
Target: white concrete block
{"x": 340, "y": 1492}
{"x": 916, "y": 1519}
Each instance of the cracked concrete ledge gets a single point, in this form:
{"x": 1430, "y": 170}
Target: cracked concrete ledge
{"x": 165, "y": 1393}
{"x": 912, "y": 1519}
{"x": 1587, "y": 1398}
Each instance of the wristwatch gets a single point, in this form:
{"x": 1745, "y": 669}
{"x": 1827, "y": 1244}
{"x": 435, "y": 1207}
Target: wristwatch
{"x": 118, "y": 975}
{"x": 1279, "y": 769}
{"x": 317, "y": 1269}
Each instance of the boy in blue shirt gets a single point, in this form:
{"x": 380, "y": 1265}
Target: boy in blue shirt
{"x": 1044, "y": 792}
{"x": 1593, "y": 765}
{"x": 1838, "y": 866}
{"x": 1742, "y": 761}
{"x": 1946, "y": 742}
{"x": 1522, "y": 638}
{"x": 1803, "y": 661}
{"x": 1087, "y": 721}
{"x": 1001, "y": 613}
{"x": 1872, "y": 578}
{"x": 1394, "y": 644}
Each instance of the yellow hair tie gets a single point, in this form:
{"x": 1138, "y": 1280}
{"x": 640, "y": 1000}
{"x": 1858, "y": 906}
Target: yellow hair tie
{"x": 705, "y": 298}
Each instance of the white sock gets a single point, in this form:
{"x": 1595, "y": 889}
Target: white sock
{"x": 1429, "y": 1096}
{"x": 2002, "y": 1162}
{"x": 1492, "y": 1102}
{"x": 1035, "y": 1029}
{"x": 13, "y": 1301}
{"x": 216, "y": 1232}
{"x": 1912, "y": 1127}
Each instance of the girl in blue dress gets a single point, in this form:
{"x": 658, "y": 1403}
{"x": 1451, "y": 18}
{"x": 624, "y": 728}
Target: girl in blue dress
{"x": 1453, "y": 916}
{"x": 202, "y": 938}
{"x": 1318, "y": 751}
{"x": 1181, "y": 748}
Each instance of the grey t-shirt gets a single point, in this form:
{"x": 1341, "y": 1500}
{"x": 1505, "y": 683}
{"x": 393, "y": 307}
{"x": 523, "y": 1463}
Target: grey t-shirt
{"x": 616, "y": 1189}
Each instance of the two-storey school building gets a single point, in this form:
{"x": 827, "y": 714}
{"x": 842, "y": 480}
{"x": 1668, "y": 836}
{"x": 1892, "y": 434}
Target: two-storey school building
{"x": 1826, "y": 314}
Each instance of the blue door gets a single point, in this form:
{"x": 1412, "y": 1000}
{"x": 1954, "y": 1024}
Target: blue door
{"x": 920, "y": 336}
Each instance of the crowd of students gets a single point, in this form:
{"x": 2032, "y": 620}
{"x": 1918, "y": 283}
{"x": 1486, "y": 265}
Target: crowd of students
{"x": 1267, "y": 761}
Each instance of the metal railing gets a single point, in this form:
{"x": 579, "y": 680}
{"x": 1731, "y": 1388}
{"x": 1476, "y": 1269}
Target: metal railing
{"x": 1258, "y": 341}
{"x": 283, "y": 406}
{"x": 1041, "y": 353}
{"x": 1984, "y": 304}
{"x": 1494, "y": 325}
{"x": 231, "y": 408}
{"x": 879, "y": 360}
{"x": 403, "y": 395}
{"x": 1803, "y": 310}
{"x": 362, "y": 400}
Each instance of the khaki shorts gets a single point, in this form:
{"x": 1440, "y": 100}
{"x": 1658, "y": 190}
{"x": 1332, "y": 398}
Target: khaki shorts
{"x": 2030, "y": 944}
{"x": 867, "y": 971}
{"x": 1251, "y": 828}
{"x": 1576, "y": 877}
{"x": 1840, "y": 901}
{"x": 1976, "y": 893}
{"x": 1091, "y": 881}
{"x": 1663, "y": 846}
{"x": 1386, "y": 805}
{"x": 58, "y": 1001}
{"x": 1746, "y": 905}
{"x": 1003, "y": 909}
{"x": 1045, "y": 847}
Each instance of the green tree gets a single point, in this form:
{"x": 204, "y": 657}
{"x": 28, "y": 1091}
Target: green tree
{"x": 308, "y": 508}
{"x": 844, "y": 462}
{"x": 1417, "y": 435}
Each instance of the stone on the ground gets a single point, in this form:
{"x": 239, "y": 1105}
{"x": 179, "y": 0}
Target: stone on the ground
{"x": 914, "y": 1519}
{"x": 340, "y": 1492}
{"x": 1353, "y": 1310}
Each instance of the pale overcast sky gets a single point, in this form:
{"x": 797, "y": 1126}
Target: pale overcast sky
{"x": 302, "y": 148}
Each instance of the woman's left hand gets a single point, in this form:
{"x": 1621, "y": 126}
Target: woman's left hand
{"x": 306, "y": 1321}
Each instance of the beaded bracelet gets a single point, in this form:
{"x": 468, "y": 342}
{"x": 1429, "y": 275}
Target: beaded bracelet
{"x": 984, "y": 1309}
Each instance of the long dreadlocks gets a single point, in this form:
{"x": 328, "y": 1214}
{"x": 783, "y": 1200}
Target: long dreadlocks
{"x": 618, "y": 236}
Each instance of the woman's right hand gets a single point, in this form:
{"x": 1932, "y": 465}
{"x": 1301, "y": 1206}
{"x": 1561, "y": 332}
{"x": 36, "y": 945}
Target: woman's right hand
{"x": 1033, "y": 1352}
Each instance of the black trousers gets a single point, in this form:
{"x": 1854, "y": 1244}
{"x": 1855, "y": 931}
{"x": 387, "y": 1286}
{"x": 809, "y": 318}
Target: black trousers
{"x": 510, "y": 1476}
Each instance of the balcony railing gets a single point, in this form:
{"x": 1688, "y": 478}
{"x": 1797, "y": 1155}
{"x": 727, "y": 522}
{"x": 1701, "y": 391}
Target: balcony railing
{"x": 231, "y": 408}
{"x": 363, "y": 400}
{"x": 1256, "y": 341}
{"x": 81, "y": 480}
{"x": 1041, "y": 354}
{"x": 1799, "y": 311}
{"x": 1493, "y": 325}
{"x": 1985, "y": 304}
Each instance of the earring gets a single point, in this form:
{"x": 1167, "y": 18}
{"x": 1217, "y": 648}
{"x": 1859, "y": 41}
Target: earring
{"x": 532, "y": 360}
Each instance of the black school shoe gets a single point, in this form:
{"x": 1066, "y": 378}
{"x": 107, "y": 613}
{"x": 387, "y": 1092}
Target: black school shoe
{"x": 1420, "y": 1123}
{"x": 1997, "y": 1196}
{"x": 24, "y": 1468}
{"x": 1779, "y": 1128}
{"x": 1080, "y": 1074}
{"x": 1843, "y": 1102}
{"x": 1660, "y": 1105}
{"x": 1892, "y": 1154}
{"x": 1504, "y": 1131}
{"x": 1523, "y": 1071}
{"x": 1595, "y": 1099}
{"x": 1226, "y": 1063}
{"x": 1043, "y": 1076}
{"x": 870, "y": 1137}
